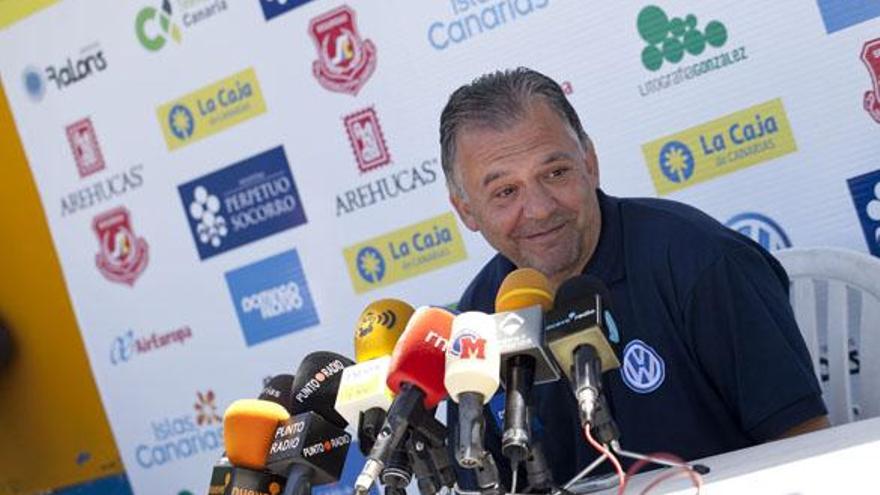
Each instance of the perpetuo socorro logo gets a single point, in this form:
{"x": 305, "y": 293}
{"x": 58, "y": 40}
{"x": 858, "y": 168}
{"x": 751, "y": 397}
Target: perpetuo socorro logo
{"x": 865, "y": 191}
{"x": 405, "y": 253}
{"x": 871, "y": 58}
{"x": 345, "y": 61}
{"x": 157, "y": 24}
{"x": 76, "y": 68}
{"x": 841, "y": 14}
{"x": 123, "y": 255}
{"x": 274, "y": 8}
{"x": 211, "y": 109}
{"x": 196, "y": 432}
{"x": 669, "y": 41}
{"x": 242, "y": 203}
{"x": 722, "y": 146}
{"x": 367, "y": 140}
{"x": 272, "y": 297}
{"x": 129, "y": 345}
{"x": 471, "y": 19}
{"x": 761, "y": 229}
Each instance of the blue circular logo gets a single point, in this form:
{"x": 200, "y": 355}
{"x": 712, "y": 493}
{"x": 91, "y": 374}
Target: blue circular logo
{"x": 181, "y": 122}
{"x": 642, "y": 369}
{"x": 676, "y": 161}
{"x": 760, "y": 229}
{"x": 370, "y": 264}
{"x": 34, "y": 83}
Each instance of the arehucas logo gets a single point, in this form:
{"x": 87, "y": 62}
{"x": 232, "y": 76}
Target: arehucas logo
{"x": 727, "y": 144}
{"x": 669, "y": 41}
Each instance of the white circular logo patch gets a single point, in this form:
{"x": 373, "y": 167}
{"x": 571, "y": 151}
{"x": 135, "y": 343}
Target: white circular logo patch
{"x": 642, "y": 369}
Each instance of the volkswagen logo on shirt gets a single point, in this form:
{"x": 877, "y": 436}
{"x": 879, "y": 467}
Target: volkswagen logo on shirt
{"x": 761, "y": 229}
{"x": 643, "y": 370}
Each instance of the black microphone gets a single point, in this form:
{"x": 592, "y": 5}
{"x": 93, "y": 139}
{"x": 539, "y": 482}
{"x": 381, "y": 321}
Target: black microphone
{"x": 279, "y": 390}
{"x": 576, "y": 337}
{"x": 310, "y": 448}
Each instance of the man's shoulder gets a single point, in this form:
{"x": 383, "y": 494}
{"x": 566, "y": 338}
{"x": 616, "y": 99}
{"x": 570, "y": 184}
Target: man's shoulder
{"x": 480, "y": 293}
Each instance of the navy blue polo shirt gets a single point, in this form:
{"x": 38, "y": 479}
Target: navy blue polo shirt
{"x": 711, "y": 357}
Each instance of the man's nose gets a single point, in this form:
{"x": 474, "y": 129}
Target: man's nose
{"x": 539, "y": 203}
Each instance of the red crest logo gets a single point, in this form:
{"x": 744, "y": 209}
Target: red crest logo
{"x": 871, "y": 58}
{"x": 123, "y": 256}
{"x": 367, "y": 140}
{"x": 84, "y": 144}
{"x": 345, "y": 62}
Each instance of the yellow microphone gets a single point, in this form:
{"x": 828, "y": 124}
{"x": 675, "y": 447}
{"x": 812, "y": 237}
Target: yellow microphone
{"x": 248, "y": 430}
{"x": 378, "y": 328}
{"x": 522, "y": 288}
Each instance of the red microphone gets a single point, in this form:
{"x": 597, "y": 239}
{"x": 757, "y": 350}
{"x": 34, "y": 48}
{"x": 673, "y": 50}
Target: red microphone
{"x": 416, "y": 372}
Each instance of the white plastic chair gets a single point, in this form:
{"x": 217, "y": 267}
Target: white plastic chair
{"x": 835, "y": 294}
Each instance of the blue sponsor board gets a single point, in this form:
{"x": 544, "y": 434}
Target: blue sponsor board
{"x": 761, "y": 229}
{"x": 271, "y": 297}
{"x": 242, "y": 203}
{"x": 865, "y": 190}
{"x": 841, "y": 14}
{"x": 274, "y": 8}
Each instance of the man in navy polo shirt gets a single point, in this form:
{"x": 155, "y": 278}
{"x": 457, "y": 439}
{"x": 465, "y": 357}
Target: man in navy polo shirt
{"x": 712, "y": 357}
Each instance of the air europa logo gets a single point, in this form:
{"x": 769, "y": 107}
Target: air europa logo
{"x": 669, "y": 41}
{"x": 211, "y": 109}
{"x": 128, "y": 345}
{"x": 405, "y": 253}
{"x": 722, "y": 146}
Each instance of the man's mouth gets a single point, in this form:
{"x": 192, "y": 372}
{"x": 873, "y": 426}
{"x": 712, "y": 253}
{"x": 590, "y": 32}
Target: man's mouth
{"x": 544, "y": 234}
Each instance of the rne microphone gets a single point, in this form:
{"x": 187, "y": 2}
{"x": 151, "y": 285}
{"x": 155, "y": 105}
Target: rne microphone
{"x": 576, "y": 337}
{"x": 416, "y": 375}
{"x": 473, "y": 364}
{"x": 523, "y": 296}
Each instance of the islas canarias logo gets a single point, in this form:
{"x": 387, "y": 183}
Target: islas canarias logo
{"x": 181, "y": 436}
{"x": 722, "y": 146}
{"x": 404, "y": 253}
{"x": 211, "y": 109}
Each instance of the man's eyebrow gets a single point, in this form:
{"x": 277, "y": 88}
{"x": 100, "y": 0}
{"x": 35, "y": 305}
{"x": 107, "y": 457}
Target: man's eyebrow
{"x": 557, "y": 156}
{"x": 493, "y": 176}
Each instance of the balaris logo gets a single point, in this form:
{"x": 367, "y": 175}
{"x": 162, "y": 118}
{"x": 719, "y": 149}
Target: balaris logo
{"x": 670, "y": 40}
{"x": 89, "y": 61}
{"x": 405, "y": 253}
{"x": 724, "y": 145}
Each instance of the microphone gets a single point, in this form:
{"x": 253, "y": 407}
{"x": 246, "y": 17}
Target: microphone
{"x": 416, "y": 375}
{"x": 310, "y": 448}
{"x": 279, "y": 390}
{"x": 248, "y": 428}
{"x": 576, "y": 337}
{"x": 523, "y": 296}
{"x": 473, "y": 364}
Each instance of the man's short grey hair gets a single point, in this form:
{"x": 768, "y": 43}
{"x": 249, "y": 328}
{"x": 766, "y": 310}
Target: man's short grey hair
{"x": 497, "y": 101}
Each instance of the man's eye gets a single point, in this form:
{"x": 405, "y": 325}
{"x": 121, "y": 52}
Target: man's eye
{"x": 505, "y": 192}
{"x": 557, "y": 173}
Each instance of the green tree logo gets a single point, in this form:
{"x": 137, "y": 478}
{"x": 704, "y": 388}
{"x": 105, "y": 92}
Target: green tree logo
{"x": 669, "y": 39}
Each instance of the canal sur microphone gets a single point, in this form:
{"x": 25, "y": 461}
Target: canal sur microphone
{"x": 416, "y": 375}
{"x": 523, "y": 296}
{"x": 473, "y": 363}
{"x": 576, "y": 337}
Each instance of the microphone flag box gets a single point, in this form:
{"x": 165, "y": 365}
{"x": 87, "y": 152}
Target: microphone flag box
{"x": 522, "y": 332}
{"x": 312, "y": 441}
{"x": 242, "y": 480}
{"x": 362, "y": 387}
{"x": 575, "y": 324}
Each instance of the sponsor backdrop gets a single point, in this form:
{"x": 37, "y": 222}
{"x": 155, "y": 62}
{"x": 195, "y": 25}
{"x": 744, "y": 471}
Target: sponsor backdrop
{"x": 228, "y": 184}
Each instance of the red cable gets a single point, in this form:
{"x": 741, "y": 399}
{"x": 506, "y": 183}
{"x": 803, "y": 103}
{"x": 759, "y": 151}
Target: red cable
{"x": 695, "y": 477}
{"x": 611, "y": 457}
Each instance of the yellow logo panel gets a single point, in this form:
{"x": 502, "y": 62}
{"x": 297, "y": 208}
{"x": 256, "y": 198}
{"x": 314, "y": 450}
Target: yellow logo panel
{"x": 211, "y": 109}
{"x": 404, "y": 253}
{"x": 719, "y": 147}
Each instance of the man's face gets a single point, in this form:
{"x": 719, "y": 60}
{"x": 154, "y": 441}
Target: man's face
{"x": 530, "y": 190}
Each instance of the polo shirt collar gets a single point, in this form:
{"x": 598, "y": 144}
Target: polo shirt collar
{"x": 607, "y": 261}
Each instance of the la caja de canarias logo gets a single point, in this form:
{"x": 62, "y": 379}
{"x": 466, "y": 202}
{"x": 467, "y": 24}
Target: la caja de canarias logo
{"x": 345, "y": 61}
{"x": 123, "y": 255}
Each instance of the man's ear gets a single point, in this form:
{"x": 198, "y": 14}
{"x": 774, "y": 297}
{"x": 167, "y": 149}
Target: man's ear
{"x": 592, "y": 161}
{"x": 463, "y": 208}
